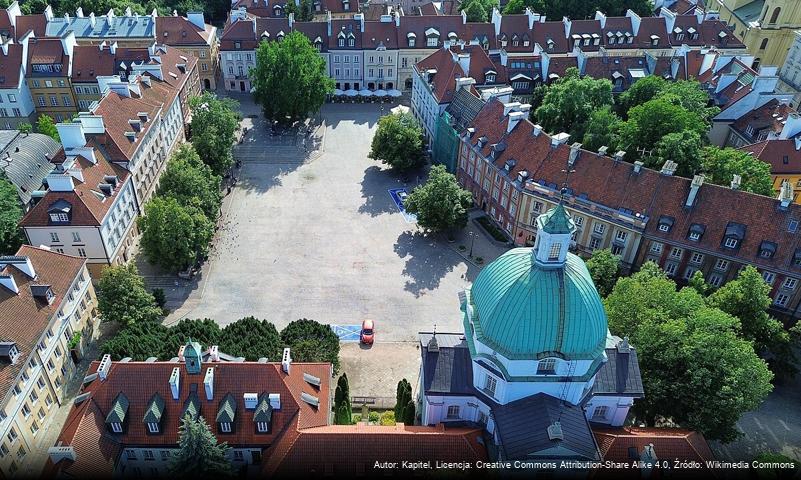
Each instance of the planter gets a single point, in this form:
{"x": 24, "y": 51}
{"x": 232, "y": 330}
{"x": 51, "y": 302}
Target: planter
{"x": 76, "y": 347}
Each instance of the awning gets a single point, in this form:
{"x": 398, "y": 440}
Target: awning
{"x": 394, "y": 93}
{"x": 351, "y": 93}
{"x": 380, "y": 93}
{"x": 338, "y": 92}
{"x": 365, "y": 93}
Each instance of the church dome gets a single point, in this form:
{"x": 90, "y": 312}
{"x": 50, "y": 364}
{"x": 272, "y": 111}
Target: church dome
{"x": 526, "y": 311}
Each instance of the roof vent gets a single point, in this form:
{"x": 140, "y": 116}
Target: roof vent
{"x": 131, "y": 136}
{"x": 310, "y": 399}
{"x": 669, "y": 168}
{"x": 638, "y": 166}
{"x": 555, "y": 431}
{"x": 312, "y": 380}
{"x": 43, "y": 292}
{"x": 175, "y": 383}
{"x": 143, "y": 117}
{"x": 214, "y": 353}
{"x": 250, "y": 400}
{"x": 602, "y": 151}
{"x": 104, "y": 367}
{"x": 286, "y": 360}
{"x": 60, "y": 453}
{"x": 107, "y": 189}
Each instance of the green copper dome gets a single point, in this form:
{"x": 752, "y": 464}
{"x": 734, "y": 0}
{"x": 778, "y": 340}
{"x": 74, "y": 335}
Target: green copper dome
{"x": 524, "y": 311}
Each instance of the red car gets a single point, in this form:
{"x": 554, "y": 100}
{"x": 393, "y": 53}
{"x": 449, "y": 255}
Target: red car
{"x": 367, "y": 334}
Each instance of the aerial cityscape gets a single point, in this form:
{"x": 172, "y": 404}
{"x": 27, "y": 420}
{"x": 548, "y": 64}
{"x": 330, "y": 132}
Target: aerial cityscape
{"x": 460, "y": 238}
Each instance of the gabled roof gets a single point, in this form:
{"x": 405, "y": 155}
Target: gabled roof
{"x": 226, "y": 412}
{"x": 11, "y": 66}
{"x": 627, "y": 444}
{"x": 155, "y": 409}
{"x": 103, "y": 26}
{"x": 47, "y": 51}
{"x": 620, "y": 374}
{"x": 783, "y": 155}
{"x": 263, "y": 412}
{"x": 191, "y": 407}
{"x": 177, "y": 30}
{"x": 118, "y": 411}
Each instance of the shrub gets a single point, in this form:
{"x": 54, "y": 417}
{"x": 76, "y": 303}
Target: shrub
{"x": 388, "y": 418}
{"x": 493, "y": 230}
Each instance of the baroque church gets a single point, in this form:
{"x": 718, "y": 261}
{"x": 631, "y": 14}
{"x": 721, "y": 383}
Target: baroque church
{"x": 536, "y": 365}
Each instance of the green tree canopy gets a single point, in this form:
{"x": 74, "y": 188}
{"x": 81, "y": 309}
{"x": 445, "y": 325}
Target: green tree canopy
{"x": 403, "y": 399}
{"x": 25, "y": 127}
{"x": 122, "y": 296}
{"x": 46, "y": 126}
{"x": 602, "y": 129}
{"x": 214, "y": 125}
{"x": 10, "y": 215}
{"x": 191, "y": 182}
{"x": 721, "y": 164}
{"x": 311, "y": 341}
{"x": 290, "y": 80}
{"x": 204, "y": 331}
{"x": 138, "y": 341}
{"x": 566, "y": 103}
{"x": 654, "y": 119}
{"x": 251, "y": 338}
{"x": 641, "y": 91}
{"x": 684, "y": 345}
{"x": 342, "y": 407}
{"x": 604, "y": 268}
{"x": 398, "y": 142}
{"x": 174, "y": 236}
{"x": 440, "y": 204}
{"x": 683, "y": 147}
{"x": 199, "y": 455}
{"x": 478, "y": 10}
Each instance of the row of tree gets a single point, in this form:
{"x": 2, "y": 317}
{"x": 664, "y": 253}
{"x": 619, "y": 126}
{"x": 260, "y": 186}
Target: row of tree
{"x": 178, "y": 224}
{"x": 654, "y": 121}
{"x": 700, "y": 349}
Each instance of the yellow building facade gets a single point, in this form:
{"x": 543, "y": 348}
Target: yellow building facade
{"x": 766, "y": 27}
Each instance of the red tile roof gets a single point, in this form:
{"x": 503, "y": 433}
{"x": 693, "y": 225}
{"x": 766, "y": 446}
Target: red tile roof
{"x": 783, "y": 155}
{"x": 11, "y": 66}
{"x": 23, "y": 318}
{"x": 448, "y": 69}
{"x": 668, "y": 443}
{"x": 90, "y": 62}
{"x": 769, "y": 118}
{"x": 87, "y": 207}
{"x": 26, "y": 23}
{"x": 47, "y": 51}
{"x": 175, "y": 30}
{"x": 353, "y": 450}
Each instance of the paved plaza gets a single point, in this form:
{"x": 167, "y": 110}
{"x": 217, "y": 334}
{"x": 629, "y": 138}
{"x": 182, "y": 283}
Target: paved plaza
{"x": 310, "y": 230}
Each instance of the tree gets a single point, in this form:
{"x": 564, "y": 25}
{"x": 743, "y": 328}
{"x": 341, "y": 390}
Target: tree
{"x": 698, "y": 283}
{"x": 138, "y": 341}
{"x": 602, "y": 129}
{"x": 409, "y": 414}
{"x": 174, "y": 236}
{"x": 342, "y": 406}
{"x": 10, "y": 215}
{"x": 604, "y": 269}
{"x": 690, "y": 95}
{"x": 516, "y": 7}
{"x": 640, "y": 92}
{"x": 46, "y": 126}
{"x": 204, "y": 331}
{"x": 252, "y": 339}
{"x": 303, "y": 13}
{"x": 440, "y": 204}
{"x": 290, "y": 79}
{"x": 122, "y": 297}
{"x": 25, "y": 127}
{"x": 478, "y": 10}
{"x": 403, "y": 395}
{"x": 311, "y": 341}
{"x": 748, "y": 298}
{"x": 685, "y": 345}
{"x": 654, "y": 119}
{"x": 214, "y": 125}
{"x": 566, "y": 103}
{"x": 721, "y": 164}
{"x": 199, "y": 455}
{"x": 191, "y": 182}
{"x": 398, "y": 142}
{"x": 683, "y": 147}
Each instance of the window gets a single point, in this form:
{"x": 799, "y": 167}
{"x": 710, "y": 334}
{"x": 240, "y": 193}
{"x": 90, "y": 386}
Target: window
{"x": 21, "y": 452}
{"x": 41, "y": 413}
{"x": 490, "y": 384}
{"x": 536, "y": 207}
{"x": 599, "y": 228}
{"x": 40, "y": 382}
{"x": 262, "y": 427}
{"x": 33, "y": 396}
{"x": 769, "y": 277}
{"x": 656, "y": 247}
{"x": 26, "y": 410}
{"x": 34, "y": 427}
{"x": 694, "y": 236}
{"x": 53, "y": 235}
{"x": 617, "y": 249}
{"x": 670, "y": 268}
{"x": 82, "y": 252}
{"x": 600, "y": 412}
{"x": 48, "y": 400}
{"x": 789, "y": 283}
{"x": 153, "y": 427}
{"x": 714, "y": 280}
{"x": 730, "y": 243}
{"x": 225, "y": 427}
{"x": 12, "y": 435}
{"x": 116, "y": 428}
{"x": 12, "y": 98}
{"x": 781, "y": 300}
{"x": 53, "y": 100}
{"x": 3, "y": 450}
{"x": 688, "y": 274}
{"x": 556, "y": 249}
{"x": 775, "y": 17}
{"x": 664, "y": 227}
{"x": 621, "y": 236}
{"x": 148, "y": 454}
{"x": 165, "y": 454}
{"x": 579, "y": 221}
{"x": 676, "y": 252}
{"x": 546, "y": 366}
{"x": 722, "y": 265}
{"x": 595, "y": 243}
{"x": 432, "y": 41}
{"x": 130, "y": 454}
{"x": 696, "y": 258}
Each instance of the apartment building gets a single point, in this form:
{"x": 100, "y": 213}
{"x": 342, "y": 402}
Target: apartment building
{"x": 783, "y": 153}
{"x": 89, "y": 208}
{"x": 345, "y": 53}
{"x": 192, "y": 35}
{"x": 48, "y": 76}
{"x": 93, "y": 62}
{"x": 16, "y": 103}
{"x": 238, "y": 43}
{"x": 515, "y": 170}
{"x": 766, "y": 27}
{"x": 54, "y": 294}
{"x": 128, "y": 30}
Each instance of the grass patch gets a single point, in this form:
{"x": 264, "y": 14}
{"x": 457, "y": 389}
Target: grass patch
{"x": 490, "y": 227}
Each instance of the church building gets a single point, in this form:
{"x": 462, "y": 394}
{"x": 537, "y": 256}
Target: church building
{"x": 536, "y": 365}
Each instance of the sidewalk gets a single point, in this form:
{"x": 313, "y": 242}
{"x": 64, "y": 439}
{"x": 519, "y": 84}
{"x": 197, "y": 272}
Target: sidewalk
{"x": 472, "y": 243}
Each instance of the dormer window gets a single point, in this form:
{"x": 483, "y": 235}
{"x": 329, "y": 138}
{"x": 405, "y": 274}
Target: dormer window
{"x": 490, "y": 78}
{"x": 237, "y": 45}
{"x": 262, "y": 427}
{"x": 696, "y": 232}
{"x": 116, "y": 427}
{"x": 735, "y": 233}
{"x": 153, "y": 427}
{"x": 432, "y": 41}
{"x": 654, "y": 40}
{"x": 351, "y": 42}
{"x": 678, "y": 33}
{"x": 515, "y": 41}
{"x": 666, "y": 223}
{"x": 730, "y": 243}
{"x": 341, "y": 42}
{"x": 767, "y": 249}
{"x": 225, "y": 427}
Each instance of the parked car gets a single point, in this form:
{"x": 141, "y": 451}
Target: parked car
{"x": 367, "y": 334}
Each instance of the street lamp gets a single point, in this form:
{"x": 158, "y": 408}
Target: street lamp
{"x": 472, "y": 240}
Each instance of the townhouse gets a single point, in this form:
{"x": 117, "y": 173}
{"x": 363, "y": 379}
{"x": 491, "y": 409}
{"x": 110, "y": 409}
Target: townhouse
{"x": 273, "y": 415}
{"x": 193, "y": 36}
{"x": 89, "y": 208}
{"x": 93, "y": 62}
{"x": 782, "y": 152}
{"x": 52, "y": 292}
{"x": 345, "y": 53}
{"x": 48, "y": 76}
{"x": 128, "y": 30}
{"x": 16, "y": 103}
{"x": 515, "y": 171}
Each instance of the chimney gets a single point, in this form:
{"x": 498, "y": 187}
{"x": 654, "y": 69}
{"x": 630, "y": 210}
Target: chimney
{"x": 602, "y": 150}
{"x": 601, "y": 18}
{"x": 105, "y": 367}
{"x": 275, "y": 401}
{"x": 635, "y": 21}
{"x": 638, "y": 166}
{"x": 286, "y": 360}
{"x": 555, "y": 432}
{"x": 785, "y": 194}
{"x": 695, "y": 185}
{"x": 92, "y": 19}
{"x": 623, "y": 346}
{"x": 735, "y": 182}
{"x": 514, "y": 119}
{"x": 464, "y": 62}
{"x": 618, "y": 156}
{"x": 575, "y": 150}
{"x": 669, "y": 168}
{"x": 79, "y": 12}
{"x": 208, "y": 383}
{"x": 197, "y": 19}
{"x": 536, "y": 130}
{"x": 464, "y": 82}
{"x": 175, "y": 380}
{"x": 559, "y": 138}
{"x": 360, "y": 18}
{"x": 522, "y": 176}
{"x": 214, "y": 353}
{"x": 8, "y": 282}
{"x": 792, "y": 126}
{"x": 510, "y": 107}
{"x": 181, "y": 353}
{"x": 72, "y": 134}
{"x": 23, "y": 264}
{"x": 59, "y": 453}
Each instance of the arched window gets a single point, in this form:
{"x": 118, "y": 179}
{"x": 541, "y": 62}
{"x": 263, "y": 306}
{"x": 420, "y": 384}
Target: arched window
{"x": 764, "y": 44}
{"x": 556, "y": 249}
{"x": 776, "y": 12}
{"x": 546, "y": 366}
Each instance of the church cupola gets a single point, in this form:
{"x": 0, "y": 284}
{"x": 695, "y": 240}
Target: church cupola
{"x": 554, "y": 233}
{"x": 192, "y": 357}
